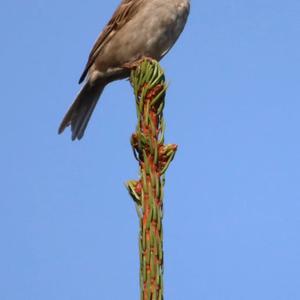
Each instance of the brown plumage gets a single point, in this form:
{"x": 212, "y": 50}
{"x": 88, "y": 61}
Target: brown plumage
{"x": 138, "y": 28}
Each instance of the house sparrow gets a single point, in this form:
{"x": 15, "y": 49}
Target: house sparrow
{"x": 137, "y": 29}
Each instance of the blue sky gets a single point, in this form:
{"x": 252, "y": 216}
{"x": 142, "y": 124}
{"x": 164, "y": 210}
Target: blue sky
{"x": 68, "y": 228}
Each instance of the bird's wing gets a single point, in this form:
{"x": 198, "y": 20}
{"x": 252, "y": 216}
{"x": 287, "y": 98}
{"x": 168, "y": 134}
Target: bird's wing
{"x": 125, "y": 11}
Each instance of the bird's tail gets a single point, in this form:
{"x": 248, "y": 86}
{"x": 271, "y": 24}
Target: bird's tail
{"x": 81, "y": 110}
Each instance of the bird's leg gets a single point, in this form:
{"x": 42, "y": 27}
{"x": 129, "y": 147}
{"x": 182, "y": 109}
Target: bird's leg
{"x": 134, "y": 64}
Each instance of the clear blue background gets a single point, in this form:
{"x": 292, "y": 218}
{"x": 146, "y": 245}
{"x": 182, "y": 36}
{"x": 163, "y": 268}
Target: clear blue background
{"x": 68, "y": 229}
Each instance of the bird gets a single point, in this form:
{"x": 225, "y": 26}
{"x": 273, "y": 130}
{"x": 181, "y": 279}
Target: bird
{"x": 137, "y": 29}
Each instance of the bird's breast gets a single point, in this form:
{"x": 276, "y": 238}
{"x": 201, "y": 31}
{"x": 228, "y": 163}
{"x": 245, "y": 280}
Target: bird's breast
{"x": 165, "y": 26}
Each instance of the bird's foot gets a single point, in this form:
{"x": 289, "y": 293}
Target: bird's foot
{"x": 133, "y": 65}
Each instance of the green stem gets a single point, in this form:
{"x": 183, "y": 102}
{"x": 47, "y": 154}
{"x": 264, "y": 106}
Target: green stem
{"x": 154, "y": 157}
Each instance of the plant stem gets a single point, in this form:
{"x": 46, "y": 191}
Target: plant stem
{"x": 154, "y": 157}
